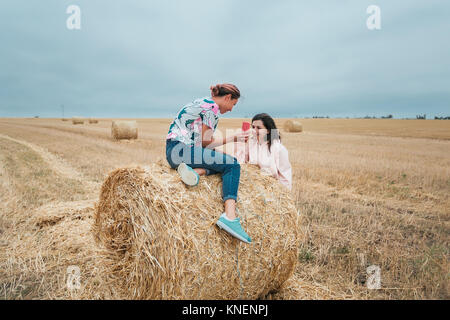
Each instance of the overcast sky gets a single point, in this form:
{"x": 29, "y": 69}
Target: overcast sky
{"x": 289, "y": 58}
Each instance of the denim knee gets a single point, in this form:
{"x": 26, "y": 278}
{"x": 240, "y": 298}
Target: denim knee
{"x": 169, "y": 160}
{"x": 169, "y": 147}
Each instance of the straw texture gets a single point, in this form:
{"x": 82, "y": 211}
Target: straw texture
{"x": 164, "y": 244}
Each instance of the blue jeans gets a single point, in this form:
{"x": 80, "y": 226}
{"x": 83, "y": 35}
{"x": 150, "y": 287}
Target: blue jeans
{"x": 213, "y": 161}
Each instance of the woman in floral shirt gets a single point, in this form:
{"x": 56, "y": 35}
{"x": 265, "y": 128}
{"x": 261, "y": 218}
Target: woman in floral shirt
{"x": 190, "y": 149}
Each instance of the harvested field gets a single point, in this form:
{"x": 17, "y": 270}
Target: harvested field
{"x": 370, "y": 192}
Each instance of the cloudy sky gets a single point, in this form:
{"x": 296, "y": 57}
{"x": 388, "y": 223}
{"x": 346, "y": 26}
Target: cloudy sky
{"x": 142, "y": 58}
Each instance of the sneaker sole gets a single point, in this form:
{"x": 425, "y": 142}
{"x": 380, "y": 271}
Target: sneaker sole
{"x": 187, "y": 176}
{"x": 223, "y": 226}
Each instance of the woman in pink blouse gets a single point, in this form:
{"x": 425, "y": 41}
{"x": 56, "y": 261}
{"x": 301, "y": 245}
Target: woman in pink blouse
{"x": 265, "y": 150}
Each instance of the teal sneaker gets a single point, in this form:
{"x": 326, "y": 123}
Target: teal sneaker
{"x": 188, "y": 175}
{"x": 234, "y": 228}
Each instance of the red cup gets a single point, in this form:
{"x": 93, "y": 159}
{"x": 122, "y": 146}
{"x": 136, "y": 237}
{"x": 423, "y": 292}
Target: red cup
{"x": 246, "y": 126}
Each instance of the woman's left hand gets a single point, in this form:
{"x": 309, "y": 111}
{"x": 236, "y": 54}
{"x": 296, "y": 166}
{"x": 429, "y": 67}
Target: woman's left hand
{"x": 242, "y": 136}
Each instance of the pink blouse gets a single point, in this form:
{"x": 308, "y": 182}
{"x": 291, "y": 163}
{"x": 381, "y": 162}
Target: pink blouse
{"x": 274, "y": 162}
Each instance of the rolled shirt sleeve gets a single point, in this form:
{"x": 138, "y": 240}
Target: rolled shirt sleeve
{"x": 209, "y": 118}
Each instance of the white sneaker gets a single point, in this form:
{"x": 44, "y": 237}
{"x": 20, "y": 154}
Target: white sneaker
{"x": 188, "y": 175}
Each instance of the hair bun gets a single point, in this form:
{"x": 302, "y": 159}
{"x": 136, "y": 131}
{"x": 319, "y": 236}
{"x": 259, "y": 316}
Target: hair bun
{"x": 215, "y": 90}
{"x": 224, "y": 89}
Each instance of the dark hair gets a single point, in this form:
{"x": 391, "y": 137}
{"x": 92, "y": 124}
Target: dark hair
{"x": 269, "y": 123}
{"x": 220, "y": 90}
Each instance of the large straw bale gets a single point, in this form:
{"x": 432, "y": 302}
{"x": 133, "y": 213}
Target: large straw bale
{"x": 122, "y": 129}
{"x": 166, "y": 244}
{"x": 92, "y": 120}
{"x": 293, "y": 126}
{"x": 77, "y": 120}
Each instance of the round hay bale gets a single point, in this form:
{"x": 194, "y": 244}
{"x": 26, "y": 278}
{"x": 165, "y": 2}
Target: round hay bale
{"x": 93, "y": 120}
{"x": 121, "y": 129}
{"x": 166, "y": 244}
{"x": 77, "y": 120}
{"x": 293, "y": 126}
{"x": 64, "y": 119}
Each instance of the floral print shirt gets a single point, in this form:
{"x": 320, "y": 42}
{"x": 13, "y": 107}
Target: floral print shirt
{"x": 187, "y": 126}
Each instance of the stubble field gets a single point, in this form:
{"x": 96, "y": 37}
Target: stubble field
{"x": 370, "y": 192}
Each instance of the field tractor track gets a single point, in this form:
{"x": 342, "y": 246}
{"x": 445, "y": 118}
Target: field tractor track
{"x": 58, "y": 165}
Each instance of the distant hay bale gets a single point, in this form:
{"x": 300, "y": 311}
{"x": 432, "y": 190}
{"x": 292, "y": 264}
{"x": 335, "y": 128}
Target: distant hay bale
{"x": 124, "y": 129}
{"x": 64, "y": 119}
{"x": 166, "y": 245}
{"x": 293, "y": 126}
{"x": 77, "y": 120}
{"x": 91, "y": 120}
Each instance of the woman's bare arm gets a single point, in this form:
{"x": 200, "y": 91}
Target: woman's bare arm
{"x": 208, "y": 140}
